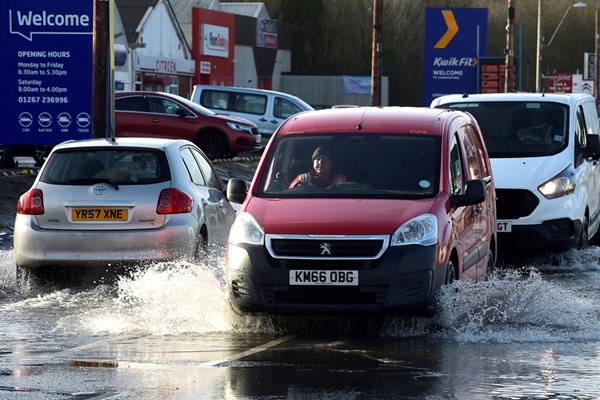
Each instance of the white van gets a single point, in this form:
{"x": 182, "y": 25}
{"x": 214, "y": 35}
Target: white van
{"x": 266, "y": 108}
{"x": 544, "y": 150}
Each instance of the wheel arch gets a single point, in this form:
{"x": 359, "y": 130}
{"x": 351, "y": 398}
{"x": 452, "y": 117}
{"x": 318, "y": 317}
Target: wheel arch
{"x": 212, "y": 129}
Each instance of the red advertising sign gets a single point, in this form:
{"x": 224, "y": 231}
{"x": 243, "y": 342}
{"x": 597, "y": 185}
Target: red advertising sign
{"x": 493, "y": 76}
{"x": 559, "y": 83}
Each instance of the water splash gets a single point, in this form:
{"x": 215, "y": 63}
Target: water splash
{"x": 7, "y": 274}
{"x": 516, "y": 306}
{"x": 587, "y": 259}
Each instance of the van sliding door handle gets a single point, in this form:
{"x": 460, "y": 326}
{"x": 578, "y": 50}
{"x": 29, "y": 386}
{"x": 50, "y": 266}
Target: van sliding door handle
{"x": 273, "y": 121}
{"x": 263, "y": 120}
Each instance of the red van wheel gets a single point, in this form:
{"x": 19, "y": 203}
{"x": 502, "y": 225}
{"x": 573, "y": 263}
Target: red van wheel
{"x": 450, "y": 273}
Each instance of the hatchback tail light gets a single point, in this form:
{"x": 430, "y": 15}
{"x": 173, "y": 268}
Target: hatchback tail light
{"x": 174, "y": 201}
{"x": 31, "y": 202}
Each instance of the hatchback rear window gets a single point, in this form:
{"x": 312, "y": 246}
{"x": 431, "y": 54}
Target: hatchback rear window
{"x": 369, "y": 166}
{"x": 122, "y": 166}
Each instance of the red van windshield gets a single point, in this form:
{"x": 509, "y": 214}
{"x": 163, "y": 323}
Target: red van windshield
{"x": 352, "y": 165}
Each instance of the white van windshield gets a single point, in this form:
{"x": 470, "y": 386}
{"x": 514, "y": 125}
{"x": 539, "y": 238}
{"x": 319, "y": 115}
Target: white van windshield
{"x": 519, "y": 129}
{"x": 353, "y": 165}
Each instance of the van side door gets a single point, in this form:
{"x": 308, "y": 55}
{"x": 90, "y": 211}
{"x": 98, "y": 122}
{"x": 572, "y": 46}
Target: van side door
{"x": 465, "y": 219}
{"x": 479, "y": 168}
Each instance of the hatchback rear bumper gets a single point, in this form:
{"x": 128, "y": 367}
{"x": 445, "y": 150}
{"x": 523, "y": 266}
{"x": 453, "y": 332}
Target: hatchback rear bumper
{"x": 36, "y": 247}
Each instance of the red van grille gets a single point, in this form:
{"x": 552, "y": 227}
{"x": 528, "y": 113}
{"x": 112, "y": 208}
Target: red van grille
{"x": 300, "y": 247}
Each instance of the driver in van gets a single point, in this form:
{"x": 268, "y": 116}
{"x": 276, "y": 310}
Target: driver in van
{"x": 322, "y": 174}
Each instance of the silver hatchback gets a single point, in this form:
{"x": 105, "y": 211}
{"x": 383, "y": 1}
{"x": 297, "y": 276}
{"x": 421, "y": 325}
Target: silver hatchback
{"x": 108, "y": 203}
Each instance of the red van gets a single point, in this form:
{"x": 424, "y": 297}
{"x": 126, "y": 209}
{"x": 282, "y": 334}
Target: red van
{"x": 363, "y": 210}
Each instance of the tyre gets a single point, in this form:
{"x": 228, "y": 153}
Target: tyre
{"x": 583, "y": 237}
{"x": 432, "y": 309}
{"x": 201, "y": 251}
{"x": 491, "y": 264}
{"x": 213, "y": 144}
{"x": 450, "y": 273}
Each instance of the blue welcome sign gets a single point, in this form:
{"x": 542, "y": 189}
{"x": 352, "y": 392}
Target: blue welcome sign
{"x": 47, "y": 69}
{"x": 455, "y": 39}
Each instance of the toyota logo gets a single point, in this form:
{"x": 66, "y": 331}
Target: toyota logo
{"x": 100, "y": 189}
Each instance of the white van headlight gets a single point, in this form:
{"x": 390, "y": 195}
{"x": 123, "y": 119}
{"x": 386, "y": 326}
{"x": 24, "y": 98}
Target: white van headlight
{"x": 561, "y": 185}
{"x": 245, "y": 230}
{"x": 421, "y": 230}
{"x": 239, "y": 127}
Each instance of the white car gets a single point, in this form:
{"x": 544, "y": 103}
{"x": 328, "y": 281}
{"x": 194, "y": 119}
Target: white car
{"x": 545, "y": 154}
{"x": 128, "y": 201}
{"x": 266, "y": 108}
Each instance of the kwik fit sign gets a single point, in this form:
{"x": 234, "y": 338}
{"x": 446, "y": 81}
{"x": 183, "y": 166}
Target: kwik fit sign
{"x": 455, "y": 39}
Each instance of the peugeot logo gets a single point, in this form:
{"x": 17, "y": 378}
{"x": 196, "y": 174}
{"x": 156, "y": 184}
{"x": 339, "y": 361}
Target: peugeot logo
{"x": 326, "y": 249}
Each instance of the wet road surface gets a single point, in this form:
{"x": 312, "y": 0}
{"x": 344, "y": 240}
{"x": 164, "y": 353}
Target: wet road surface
{"x": 530, "y": 332}
{"x": 168, "y": 333}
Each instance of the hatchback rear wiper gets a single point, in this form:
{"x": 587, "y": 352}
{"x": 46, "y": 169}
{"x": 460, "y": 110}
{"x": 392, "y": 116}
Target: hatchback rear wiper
{"x": 91, "y": 181}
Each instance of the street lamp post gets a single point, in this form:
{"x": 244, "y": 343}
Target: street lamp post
{"x": 596, "y": 57}
{"x": 541, "y": 45}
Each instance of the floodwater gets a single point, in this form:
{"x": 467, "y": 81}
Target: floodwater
{"x": 532, "y": 331}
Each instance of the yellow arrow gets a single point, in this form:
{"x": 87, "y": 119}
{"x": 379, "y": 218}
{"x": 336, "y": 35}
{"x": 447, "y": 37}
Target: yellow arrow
{"x": 450, "y": 33}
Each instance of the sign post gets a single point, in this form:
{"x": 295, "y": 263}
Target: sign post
{"x": 47, "y": 70}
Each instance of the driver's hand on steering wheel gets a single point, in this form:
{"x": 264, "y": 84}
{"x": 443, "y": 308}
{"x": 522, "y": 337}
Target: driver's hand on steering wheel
{"x": 304, "y": 178}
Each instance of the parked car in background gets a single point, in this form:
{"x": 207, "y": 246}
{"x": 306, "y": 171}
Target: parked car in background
{"x": 545, "y": 152}
{"x": 165, "y": 115}
{"x": 37, "y": 152}
{"x": 266, "y": 108}
{"x": 409, "y": 207}
{"x": 102, "y": 203}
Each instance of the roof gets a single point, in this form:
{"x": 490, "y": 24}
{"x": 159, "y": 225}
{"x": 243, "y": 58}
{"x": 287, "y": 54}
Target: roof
{"x": 255, "y": 10}
{"x": 132, "y": 12}
{"x": 409, "y": 120}
{"x": 529, "y": 97}
{"x": 144, "y": 142}
{"x": 183, "y": 13}
{"x": 240, "y": 89}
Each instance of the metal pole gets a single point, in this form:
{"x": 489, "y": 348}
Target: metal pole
{"x": 376, "y": 54}
{"x": 110, "y": 90}
{"x": 596, "y": 59}
{"x": 538, "y": 58}
{"x": 101, "y": 18}
{"x": 508, "y": 73}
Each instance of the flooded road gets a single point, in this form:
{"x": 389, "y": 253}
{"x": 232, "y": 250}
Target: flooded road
{"x": 531, "y": 332}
